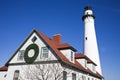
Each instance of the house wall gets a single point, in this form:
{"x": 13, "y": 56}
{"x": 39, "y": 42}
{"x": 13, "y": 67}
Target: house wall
{"x": 27, "y": 71}
{"x": 3, "y": 75}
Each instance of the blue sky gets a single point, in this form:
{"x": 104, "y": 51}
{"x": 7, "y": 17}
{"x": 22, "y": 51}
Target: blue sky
{"x": 19, "y": 17}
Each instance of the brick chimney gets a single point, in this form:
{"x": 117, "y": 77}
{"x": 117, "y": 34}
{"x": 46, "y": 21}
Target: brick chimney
{"x": 57, "y": 39}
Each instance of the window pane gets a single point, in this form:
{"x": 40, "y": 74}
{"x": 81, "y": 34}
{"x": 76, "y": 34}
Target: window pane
{"x": 21, "y": 55}
{"x": 83, "y": 78}
{"x": 34, "y": 39}
{"x": 44, "y": 53}
{"x": 64, "y": 75}
{"x": 93, "y": 67}
{"x": 16, "y": 75}
{"x": 73, "y": 76}
{"x": 85, "y": 63}
{"x": 45, "y": 50}
{"x": 71, "y": 56}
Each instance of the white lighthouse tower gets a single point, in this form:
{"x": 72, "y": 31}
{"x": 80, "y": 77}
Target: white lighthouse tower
{"x": 90, "y": 41}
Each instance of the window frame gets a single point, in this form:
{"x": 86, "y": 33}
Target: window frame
{"x": 83, "y": 77}
{"x": 93, "y": 67}
{"x": 43, "y": 54}
{"x": 64, "y": 75}
{"x": 34, "y": 39}
{"x": 85, "y": 63}
{"x": 16, "y": 75}
{"x": 73, "y": 76}
{"x": 72, "y": 56}
{"x": 21, "y": 55}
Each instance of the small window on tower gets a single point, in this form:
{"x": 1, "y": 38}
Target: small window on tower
{"x": 85, "y": 38}
{"x": 87, "y": 12}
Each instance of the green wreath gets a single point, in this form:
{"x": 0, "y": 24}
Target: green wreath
{"x": 28, "y": 59}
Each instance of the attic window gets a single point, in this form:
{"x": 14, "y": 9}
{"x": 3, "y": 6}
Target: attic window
{"x": 34, "y": 39}
{"x": 21, "y": 55}
{"x": 71, "y": 56}
{"x": 93, "y": 67}
{"x": 44, "y": 52}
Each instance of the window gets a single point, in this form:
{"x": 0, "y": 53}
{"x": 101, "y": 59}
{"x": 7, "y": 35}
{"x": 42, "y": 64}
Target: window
{"x": 64, "y": 75}
{"x": 88, "y": 78}
{"x": 5, "y": 75}
{"x": 34, "y": 39}
{"x": 93, "y": 67}
{"x": 16, "y": 75}
{"x": 71, "y": 56}
{"x": 83, "y": 78}
{"x": 85, "y": 63}
{"x": 85, "y": 38}
{"x": 44, "y": 52}
{"x": 21, "y": 55}
{"x": 73, "y": 76}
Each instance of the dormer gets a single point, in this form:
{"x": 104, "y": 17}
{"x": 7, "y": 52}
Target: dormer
{"x": 67, "y": 50}
{"x": 91, "y": 65}
{"x": 81, "y": 59}
{"x": 85, "y": 62}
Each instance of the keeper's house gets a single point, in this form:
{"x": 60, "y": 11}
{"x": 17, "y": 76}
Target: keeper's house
{"x": 40, "y": 54}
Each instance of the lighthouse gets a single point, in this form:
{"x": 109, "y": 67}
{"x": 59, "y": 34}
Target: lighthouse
{"x": 90, "y": 40}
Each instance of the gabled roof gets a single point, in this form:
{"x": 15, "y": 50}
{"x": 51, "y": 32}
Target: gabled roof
{"x": 80, "y": 55}
{"x": 4, "y": 68}
{"x": 56, "y": 49}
